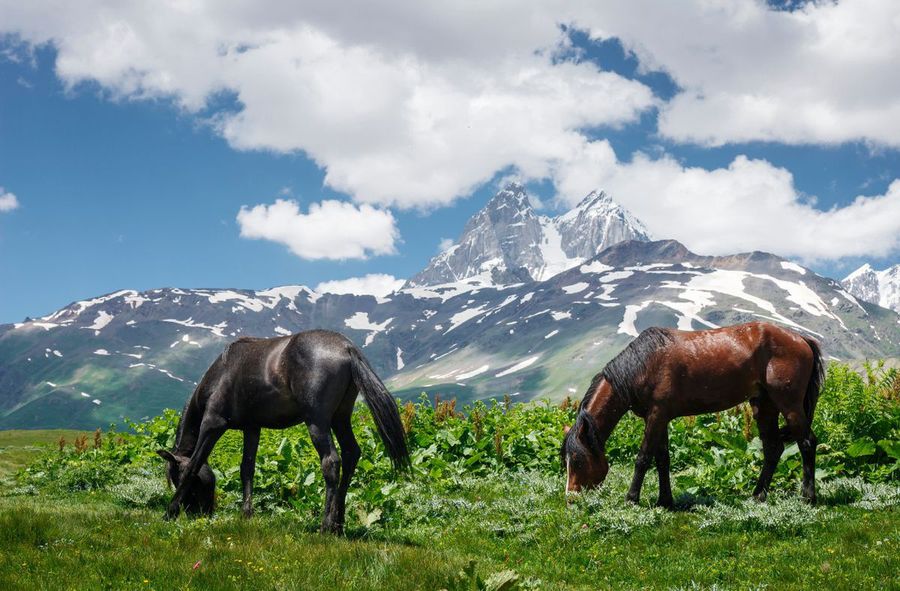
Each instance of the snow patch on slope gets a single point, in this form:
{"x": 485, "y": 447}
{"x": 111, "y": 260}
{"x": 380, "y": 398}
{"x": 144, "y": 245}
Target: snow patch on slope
{"x": 518, "y": 367}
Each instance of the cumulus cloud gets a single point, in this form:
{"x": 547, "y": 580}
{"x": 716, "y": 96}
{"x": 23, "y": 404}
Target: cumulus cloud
{"x": 411, "y": 105}
{"x": 329, "y": 230}
{"x": 823, "y": 73}
{"x": 376, "y": 284}
{"x": 417, "y": 104}
{"x": 8, "y": 201}
{"x": 749, "y": 205}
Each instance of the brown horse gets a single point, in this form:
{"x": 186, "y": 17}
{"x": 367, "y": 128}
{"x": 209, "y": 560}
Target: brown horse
{"x": 664, "y": 374}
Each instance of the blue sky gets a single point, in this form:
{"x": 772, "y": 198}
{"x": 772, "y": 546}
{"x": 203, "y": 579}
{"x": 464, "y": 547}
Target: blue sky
{"x": 124, "y": 184}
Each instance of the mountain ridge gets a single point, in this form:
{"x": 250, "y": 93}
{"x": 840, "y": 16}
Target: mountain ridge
{"x": 130, "y": 354}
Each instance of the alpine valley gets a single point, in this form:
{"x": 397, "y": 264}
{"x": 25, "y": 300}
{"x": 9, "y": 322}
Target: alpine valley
{"x": 523, "y": 304}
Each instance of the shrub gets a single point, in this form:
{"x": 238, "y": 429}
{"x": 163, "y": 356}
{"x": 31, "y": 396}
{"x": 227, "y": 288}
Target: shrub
{"x": 857, "y": 422}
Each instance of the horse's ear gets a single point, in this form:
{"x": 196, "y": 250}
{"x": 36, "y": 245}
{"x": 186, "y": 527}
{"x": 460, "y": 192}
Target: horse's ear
{"x": 566, "y": 429}
{"x": 166, "y": 455}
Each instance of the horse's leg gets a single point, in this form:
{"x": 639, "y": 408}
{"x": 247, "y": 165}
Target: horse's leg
{"x": 331, "y": 470}
{"x": 248, "y": 467}
{"x": 349, "y": 457}
{"x": 654, "y": 428}
{"x": 662, "y": 467}
{"x": 799, "y": 426}
{"x": 211, "y": 429}
{"x": 766, "y": 416}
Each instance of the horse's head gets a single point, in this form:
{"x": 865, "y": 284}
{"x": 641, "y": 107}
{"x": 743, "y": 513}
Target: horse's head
{"x": 583, "y": 456}
{"x": 200, "y": 498}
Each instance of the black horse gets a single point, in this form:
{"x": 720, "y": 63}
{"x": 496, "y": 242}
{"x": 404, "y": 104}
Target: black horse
{"x": 310, "y": 377}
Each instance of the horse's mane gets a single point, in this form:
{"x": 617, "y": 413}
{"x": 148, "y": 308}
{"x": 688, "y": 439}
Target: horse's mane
{"x": 181, "y": 423}
{"x": 627, "y": 369}
{"x": 622, "y": 372}
{"x": 571, "y": 445}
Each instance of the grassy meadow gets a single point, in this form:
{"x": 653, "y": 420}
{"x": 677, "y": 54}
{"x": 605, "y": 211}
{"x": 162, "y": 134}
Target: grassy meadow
{"x": 483, "y": 507}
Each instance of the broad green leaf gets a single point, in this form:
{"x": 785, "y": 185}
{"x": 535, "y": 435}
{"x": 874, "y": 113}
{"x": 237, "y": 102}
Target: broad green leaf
{"x": 890, "y": 447}
{"x": 861, "y": 447}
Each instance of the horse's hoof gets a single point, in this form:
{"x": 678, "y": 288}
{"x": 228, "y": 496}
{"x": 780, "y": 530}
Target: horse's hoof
{"x": 633, "y": 499}
{"x": 666, "y": 503}
{"x": 760, "y": 497}
{"x": 247, "y": 512}
{"x": 172, "y": 511}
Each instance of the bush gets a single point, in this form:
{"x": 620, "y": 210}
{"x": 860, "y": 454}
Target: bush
{"x": 857, "y": 422}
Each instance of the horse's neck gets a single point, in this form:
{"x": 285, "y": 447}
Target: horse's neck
{"x": 188, "y": 429}
{"x": 606, "y": 409}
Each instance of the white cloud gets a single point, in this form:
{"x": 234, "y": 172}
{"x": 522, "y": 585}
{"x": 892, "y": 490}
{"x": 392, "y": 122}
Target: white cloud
{"x": 750, "y": 205}
{"x": 330, "y": 230}
{"x": 407, "y": 85}
{"x": 825, "y": 73}
{"x": 8, "y": 201}
{"x": 411, "y": 105}
{"x": 416, "y": 104}
{"x": 376, "y": 284}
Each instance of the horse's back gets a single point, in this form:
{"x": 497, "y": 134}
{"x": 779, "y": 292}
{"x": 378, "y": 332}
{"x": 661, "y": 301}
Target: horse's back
{"x": 320, "y": 346}
{"x": 715, "y": 369}
{"x": 318, "y": 364}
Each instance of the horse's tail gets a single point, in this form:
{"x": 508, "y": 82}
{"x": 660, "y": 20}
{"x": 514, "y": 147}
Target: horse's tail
{"x": 815, "y": 380}
{"x": 383, "y": 408}
{"x": 812, "y": 387}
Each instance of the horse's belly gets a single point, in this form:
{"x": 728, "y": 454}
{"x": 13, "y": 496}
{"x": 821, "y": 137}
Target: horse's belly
{"x": 272, "y": 410}
{"x": 707, "y": 405}
{"x": 713, "y": 395}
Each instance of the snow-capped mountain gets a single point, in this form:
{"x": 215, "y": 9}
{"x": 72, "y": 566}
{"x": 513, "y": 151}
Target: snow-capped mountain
{"x": 131, "y": 354}
{"x": 507, "y": 242}
{"x": 877, "y": 287}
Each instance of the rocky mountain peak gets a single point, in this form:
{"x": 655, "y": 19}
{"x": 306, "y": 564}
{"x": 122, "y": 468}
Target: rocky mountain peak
{"x": 507, "y": 242}
{"x": 513, "y": 195}
{"x": 876, "y": 287}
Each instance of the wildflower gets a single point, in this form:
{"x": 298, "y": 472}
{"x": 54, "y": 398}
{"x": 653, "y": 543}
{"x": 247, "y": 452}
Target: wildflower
{"x": 196, "y": 565}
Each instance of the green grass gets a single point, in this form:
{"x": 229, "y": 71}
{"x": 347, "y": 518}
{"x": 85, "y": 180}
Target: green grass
{"x": 19, "y": 447}
{"x": 520, "y": 524}
{"x": 484, "y": 503}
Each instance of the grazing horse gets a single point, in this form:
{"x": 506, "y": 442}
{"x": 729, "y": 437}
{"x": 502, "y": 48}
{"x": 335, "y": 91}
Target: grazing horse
{"x": 664, "y": 373}
{"x": 310, "y": 377}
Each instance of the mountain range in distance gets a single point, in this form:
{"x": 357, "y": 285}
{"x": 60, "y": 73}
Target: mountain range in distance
{"x": 522, "y": 304}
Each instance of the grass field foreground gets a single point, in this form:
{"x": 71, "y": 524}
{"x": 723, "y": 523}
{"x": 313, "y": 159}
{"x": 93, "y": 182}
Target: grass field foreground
{"x": 519, "y": 532}
{"x": 482, "y": 508}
